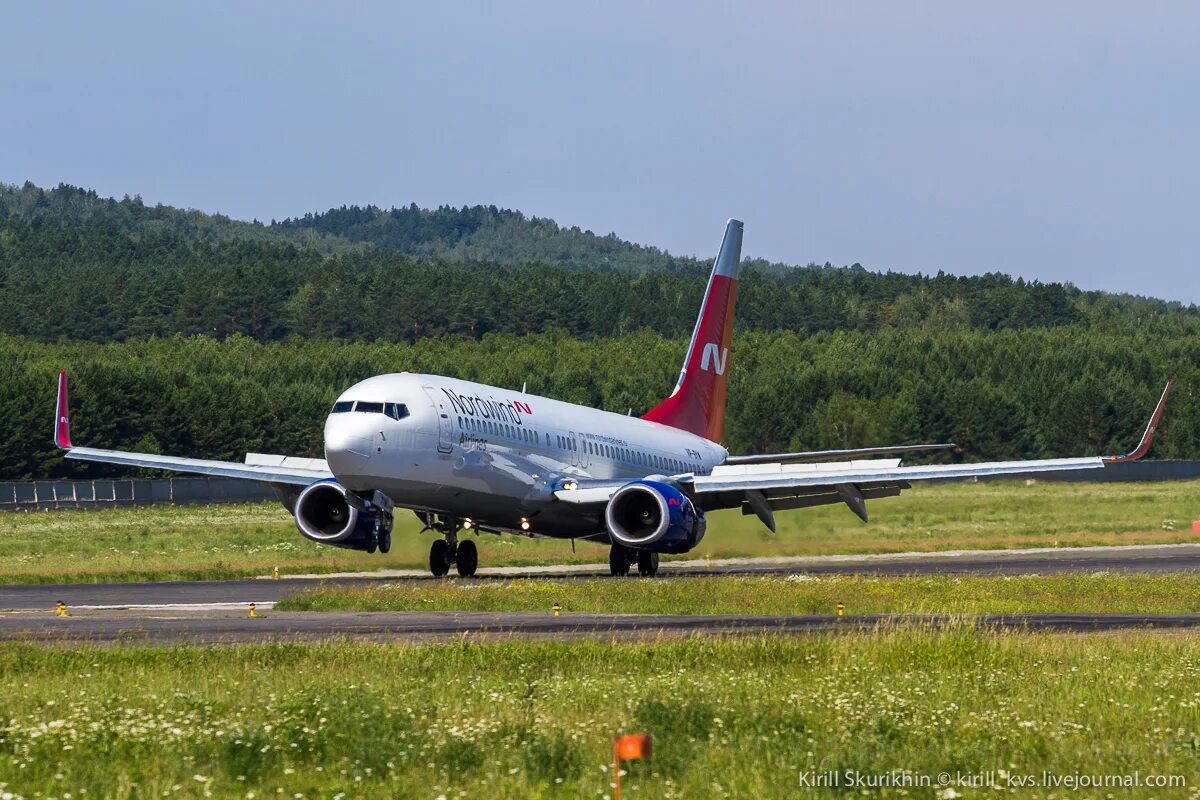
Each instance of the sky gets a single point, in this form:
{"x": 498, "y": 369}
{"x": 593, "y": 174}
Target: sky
{"x": 1056, "y": 141}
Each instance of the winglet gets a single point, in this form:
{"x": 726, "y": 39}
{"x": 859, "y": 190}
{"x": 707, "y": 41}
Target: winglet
{"x": 62, "y": 414}
{"x": 1151, "y": 428}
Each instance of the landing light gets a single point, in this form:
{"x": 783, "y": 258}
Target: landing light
{"x": 468, "y": 523}
{"x": 524, "y": 524}
{"x": 571, "y": 486}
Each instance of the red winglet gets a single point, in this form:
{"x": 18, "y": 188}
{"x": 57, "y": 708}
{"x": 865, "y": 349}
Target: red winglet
{"x": 1151, "y": 428}
{"x": 62, "y": 414}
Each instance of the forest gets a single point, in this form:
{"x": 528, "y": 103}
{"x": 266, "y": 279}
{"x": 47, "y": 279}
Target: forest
{"x": 1007, "y": 394}
{"x": 192, "y": 333}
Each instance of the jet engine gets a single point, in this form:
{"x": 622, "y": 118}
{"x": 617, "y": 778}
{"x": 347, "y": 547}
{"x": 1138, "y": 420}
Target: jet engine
{"x": 648, "y": 515}
{"x": 324, "y": 514}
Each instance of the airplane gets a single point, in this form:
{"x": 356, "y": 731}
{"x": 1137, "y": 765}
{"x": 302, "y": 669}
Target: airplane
{"x": 469, "y": 458}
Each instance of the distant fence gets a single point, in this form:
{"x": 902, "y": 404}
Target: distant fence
{"x": 39, "y": 495}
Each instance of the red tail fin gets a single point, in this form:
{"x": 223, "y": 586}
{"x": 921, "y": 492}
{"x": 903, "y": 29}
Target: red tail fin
{"x": 62, "y": 414}
{"x": 698, "y": 403}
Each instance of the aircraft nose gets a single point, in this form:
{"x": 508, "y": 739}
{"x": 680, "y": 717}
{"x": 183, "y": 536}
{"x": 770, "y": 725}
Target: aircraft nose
{"x": 347, "y": 450}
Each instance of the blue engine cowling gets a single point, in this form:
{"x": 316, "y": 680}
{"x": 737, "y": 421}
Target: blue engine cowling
{"x": 324, "y": 514}
{"x": 648, "y": 515}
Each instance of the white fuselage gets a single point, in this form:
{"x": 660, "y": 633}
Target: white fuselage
{"x": 495, "y": 456}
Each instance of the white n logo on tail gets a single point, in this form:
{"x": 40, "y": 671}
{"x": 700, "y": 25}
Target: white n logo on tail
{"x": 718, "y": 357}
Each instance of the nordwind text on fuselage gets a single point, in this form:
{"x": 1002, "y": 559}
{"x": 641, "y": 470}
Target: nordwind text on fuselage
{"x": 489, "y": 408}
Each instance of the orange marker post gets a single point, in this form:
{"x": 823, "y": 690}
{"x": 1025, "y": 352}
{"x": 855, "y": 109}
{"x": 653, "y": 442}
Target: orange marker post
{"x": 627, "y": 748}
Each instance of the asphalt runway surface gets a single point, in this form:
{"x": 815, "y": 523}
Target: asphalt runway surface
{"x": 217, "y": 611}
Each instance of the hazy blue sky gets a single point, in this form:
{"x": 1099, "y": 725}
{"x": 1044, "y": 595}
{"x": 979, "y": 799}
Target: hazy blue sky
{"x": 1052, "y": 140}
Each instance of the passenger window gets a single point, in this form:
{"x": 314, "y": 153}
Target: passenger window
{"x": 342, "y": 406}
{"x": 369, "y": 408}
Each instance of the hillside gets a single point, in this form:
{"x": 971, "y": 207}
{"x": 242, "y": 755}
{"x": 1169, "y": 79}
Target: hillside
{"x": 195, "y": 333}
{"x": 484, "y": 234}
{"x": 75, "y": 265}
{"x": 68, "y": 206}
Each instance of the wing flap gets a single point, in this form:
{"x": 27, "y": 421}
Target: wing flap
{"x": 811, "y": 456}
{"x": 835, "y": 474}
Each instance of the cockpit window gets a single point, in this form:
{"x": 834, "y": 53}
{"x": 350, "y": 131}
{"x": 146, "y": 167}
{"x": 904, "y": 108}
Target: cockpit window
{"x": 342, "y": 406}
{"x": 393, "y": 410}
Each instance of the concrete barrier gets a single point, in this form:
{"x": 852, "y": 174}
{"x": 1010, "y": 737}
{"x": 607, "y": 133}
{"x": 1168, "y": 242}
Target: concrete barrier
{"x": 39, "y": 495}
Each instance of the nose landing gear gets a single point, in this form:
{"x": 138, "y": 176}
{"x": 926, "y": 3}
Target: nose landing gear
{"x": 381, "y": 536}
{"x": 381, "y": 533}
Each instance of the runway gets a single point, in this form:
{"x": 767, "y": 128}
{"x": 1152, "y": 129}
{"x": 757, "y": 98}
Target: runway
{"x": 217, "y": 611}
{"x": 1148, "y": 558}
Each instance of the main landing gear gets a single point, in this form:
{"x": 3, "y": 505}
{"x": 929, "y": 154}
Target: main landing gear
{"x": 621, "y": 558}
{"x": 448, "y": 551}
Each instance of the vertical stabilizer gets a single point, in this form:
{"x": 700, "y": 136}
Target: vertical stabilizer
{"x": 62, "y": 414}
{"x": 697, "y": 404}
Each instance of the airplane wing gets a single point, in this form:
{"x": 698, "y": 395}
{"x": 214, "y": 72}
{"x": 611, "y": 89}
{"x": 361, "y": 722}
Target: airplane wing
{"x": 763, "y": 488}
{"x": 258, "y": 467}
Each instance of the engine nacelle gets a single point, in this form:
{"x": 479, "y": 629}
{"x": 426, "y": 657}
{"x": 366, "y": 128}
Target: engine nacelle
{"x": 648, "y": 515}
{"x": 324, "y": 514}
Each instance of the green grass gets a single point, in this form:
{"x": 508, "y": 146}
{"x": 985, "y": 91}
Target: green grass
{"x": 796, "y": 594}
{"x": 160, "y": 543}
{"x": 729, "y": 718}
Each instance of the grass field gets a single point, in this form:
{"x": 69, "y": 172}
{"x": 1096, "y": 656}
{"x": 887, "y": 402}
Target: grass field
{"x": 729, "y": 718}
{"x": 229, "y": 541}
{"x": 795, "y": 594}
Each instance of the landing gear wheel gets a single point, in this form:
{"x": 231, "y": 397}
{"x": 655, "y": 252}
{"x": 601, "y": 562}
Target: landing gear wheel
{"x": 468, "y": 559}
{"x": 439, "y": 558}
{"x": 618, "y": 561}
{"x": 647, "y": 564}
{"x": 381, "y": 533}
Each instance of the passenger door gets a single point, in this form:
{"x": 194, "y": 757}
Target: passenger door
{"x": 576, "y": 451}
{"x": 445, "y": 442}
{"x": 584, "y": 456}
